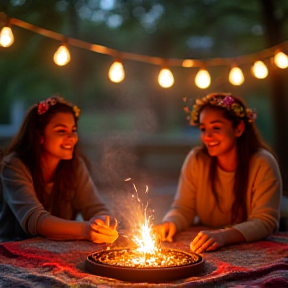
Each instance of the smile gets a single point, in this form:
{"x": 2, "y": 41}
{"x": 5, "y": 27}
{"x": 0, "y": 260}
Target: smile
{"x": 212, "y": 144}
{"x": 67, "y": 147}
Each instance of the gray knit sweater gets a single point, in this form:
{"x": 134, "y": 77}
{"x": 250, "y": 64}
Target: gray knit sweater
{"x": 20, "y": 209}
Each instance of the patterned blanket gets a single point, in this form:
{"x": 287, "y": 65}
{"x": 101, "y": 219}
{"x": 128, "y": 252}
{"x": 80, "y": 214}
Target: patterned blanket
{"x": 39, "y": 262}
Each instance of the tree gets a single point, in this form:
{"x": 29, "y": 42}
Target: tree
{"x": 197, "y": 29}
{"x": 278, "y": 95}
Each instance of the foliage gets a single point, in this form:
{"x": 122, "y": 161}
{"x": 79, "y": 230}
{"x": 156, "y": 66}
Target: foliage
{"x": 168, "y": 29}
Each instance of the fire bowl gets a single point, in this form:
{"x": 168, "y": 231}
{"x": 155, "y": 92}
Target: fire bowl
{"x": 117, "y": 264}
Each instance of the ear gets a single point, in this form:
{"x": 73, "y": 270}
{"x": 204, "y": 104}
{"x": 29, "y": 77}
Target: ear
{"x": 41, "y": 140}
{"x": 240, "y": 129}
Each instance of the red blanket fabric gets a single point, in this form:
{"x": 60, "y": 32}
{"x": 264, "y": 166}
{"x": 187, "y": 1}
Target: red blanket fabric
{"x": 39, "y": 262}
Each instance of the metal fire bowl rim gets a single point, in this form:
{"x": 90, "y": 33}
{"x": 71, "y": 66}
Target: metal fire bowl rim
{"x": 191, "y": 254}
{"x": 151, "y": 275}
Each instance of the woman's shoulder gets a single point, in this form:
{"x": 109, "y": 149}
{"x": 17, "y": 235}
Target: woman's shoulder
{"x": 198, "y": 152}
{"x": 263, "y": 157}
{"x": 82, "y": 166}
{"x": 11, "y": 159}
{"x": 12, "y": 162}
{"x": 197, "y": 155}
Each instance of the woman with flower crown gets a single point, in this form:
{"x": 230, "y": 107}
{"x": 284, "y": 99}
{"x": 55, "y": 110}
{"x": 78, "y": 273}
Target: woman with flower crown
{"x": 45, "y": 182}
{"x": 231, "y": 184}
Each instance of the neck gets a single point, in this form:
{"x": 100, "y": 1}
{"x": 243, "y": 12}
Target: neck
{"x": 49, "y": 168}
{"x": 228, "y": 163}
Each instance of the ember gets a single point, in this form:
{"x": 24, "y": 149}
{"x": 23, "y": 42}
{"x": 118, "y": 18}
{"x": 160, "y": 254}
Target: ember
{"x": 132, "y": 258}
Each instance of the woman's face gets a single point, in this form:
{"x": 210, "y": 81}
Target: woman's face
{"x": 59, "y": 137}
{"x": 217, "y": 132}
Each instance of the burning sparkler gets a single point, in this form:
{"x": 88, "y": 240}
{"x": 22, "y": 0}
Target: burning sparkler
{"x": 147, "y": 241}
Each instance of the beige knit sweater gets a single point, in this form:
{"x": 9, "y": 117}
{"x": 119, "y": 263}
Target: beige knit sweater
{"x": 194, "y": 196}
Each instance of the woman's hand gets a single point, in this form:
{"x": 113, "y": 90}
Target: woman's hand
{"x": 166, "y": 231}
{"x": 102, "y": 230}
{"x": 207, "y": 241}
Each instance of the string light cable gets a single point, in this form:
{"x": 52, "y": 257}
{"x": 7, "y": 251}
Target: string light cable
{"x": 165, "y": 79}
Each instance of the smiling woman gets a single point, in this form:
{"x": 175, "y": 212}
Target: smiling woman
{"x": 232, "y": 183}
{"x": 45, "y": 182}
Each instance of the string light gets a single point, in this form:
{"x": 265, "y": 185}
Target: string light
{"x": 203, "y": 79}
{"x": 116, "y": 72}
{"x": 165, "y": 78}
{"x": 281, "y": 60}
{"x": 6, "y": 37}
{"x": 236, "y": 76}
{"x": 62, "y": 55}
{"x": 260, "y": 70}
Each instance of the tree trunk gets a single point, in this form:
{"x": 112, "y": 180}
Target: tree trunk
{"x": 278, "y": 93}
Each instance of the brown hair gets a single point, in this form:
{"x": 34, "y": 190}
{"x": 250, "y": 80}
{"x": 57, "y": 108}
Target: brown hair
{"x": 247, "y": 144}
{"x": 26, "y": 145}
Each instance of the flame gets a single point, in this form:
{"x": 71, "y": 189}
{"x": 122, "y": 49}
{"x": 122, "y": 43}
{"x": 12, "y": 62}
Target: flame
{"x": 148, "y": 243}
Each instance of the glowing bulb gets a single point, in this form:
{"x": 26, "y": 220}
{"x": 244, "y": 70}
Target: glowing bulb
{"x": 165, "y": 78}
{"x": 6, "y": 37}
{"x": 203, "y": 79}
{"x": 116, "y": 72}
{"x": 236, "y": 76}
{"x": 62, "y": 56}
{"x": 281, "y": 60}
{"x": 260, "y": 70}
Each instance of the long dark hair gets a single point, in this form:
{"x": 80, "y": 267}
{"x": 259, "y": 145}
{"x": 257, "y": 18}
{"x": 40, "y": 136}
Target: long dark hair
{"x": 247, "y": 144}
{"x": 27, "y": 146}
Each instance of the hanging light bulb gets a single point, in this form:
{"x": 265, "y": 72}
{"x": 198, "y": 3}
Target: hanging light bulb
{"x": 116, "y": 72}
{"x": 6, "y": 37}
{"x": 165, "y": 78}
{"x": 62, "y": 55}
{"x": 260, "y": 70}
{"x": 203, "y": 79}
{"x": 236, "y": 76}
{"x": 281, "y": 60}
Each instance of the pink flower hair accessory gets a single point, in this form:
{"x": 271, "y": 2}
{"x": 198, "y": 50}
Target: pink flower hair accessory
{"x": 44, "y": 105}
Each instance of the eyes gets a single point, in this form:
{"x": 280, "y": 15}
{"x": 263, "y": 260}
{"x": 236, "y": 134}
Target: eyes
{"x": 213, "y": 128}
{"x": 62, "y": 131}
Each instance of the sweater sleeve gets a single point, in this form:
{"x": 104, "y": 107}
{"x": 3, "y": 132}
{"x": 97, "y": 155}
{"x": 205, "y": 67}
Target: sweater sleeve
{"x": 87, "y": 199}
{"x": 20, "y": 196}
{"x": 264, "y": 201}
{"x": 183, "y": 209}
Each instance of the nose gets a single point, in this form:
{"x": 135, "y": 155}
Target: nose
{"x": 73, "y": 136}
{"x": 207, "y": 134}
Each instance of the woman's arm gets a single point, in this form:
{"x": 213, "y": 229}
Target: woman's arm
{"x": 29, "y": 214}
{"x": 59, "y": 229}
{"x": 87, "y": 198}
{"x": 214, "y": 239}
{"x": 20, "y": 202}
{"x": 183, "y": 208}
{"x": 263, "y": 198}
{"x": 263, "y": 201}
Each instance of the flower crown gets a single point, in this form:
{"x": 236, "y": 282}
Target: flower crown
{"x": 44, "y": 105}
{"x": 219, "y": 100}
